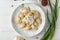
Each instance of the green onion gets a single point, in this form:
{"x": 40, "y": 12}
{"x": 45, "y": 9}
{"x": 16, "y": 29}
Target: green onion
{"x": 51, "y": 30}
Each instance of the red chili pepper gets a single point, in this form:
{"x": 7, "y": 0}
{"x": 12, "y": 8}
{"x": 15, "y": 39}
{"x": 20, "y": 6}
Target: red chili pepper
{"x": 44, "y": 2}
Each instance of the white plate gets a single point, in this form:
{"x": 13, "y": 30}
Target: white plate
{"x": 28, "y": 33}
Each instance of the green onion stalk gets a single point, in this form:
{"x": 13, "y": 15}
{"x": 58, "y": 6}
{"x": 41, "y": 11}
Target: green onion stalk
{"x": 51, "y": 30}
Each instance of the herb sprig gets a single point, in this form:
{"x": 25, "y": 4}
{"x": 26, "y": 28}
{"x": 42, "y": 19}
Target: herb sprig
{"x": 51, "y": 30}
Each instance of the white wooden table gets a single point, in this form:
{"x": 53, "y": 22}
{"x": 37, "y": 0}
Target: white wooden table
{"x": 6, "y": 30}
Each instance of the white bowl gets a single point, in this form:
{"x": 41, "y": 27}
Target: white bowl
{"x": 28, "y": 33}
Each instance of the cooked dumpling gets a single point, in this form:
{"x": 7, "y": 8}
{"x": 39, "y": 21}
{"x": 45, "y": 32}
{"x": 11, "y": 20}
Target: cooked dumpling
{"x": 17, "y": 38}
{"x": 35, "y": 16}
{"x": 27, "y": 25}
{"x": 17, "y": 19}
{"x": 33, "y": 27}
{"x": 25, "y": 14}
{"x": 34, "y": 12}
{"x": 25, "y": 10}
{"x": 20, "y": 21}
{"x": 35, "y": 23}
{"x": 38, "y": 20}
{"x": 21, "y": 15}
{"x": 22, "y": 25}
{"x": 27, "y": 28}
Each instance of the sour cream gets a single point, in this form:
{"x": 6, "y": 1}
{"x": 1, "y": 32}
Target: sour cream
{"x": 28, "y": 19}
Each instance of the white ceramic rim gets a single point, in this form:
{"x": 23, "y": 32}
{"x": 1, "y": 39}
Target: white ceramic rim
{"x": 14, "y": 10}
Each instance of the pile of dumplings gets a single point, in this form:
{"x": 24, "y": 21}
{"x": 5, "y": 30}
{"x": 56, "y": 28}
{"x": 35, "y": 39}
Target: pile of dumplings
{"x": 28, "y": 19}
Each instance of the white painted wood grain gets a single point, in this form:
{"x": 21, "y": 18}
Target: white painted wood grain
{"x": 6, "y": 30}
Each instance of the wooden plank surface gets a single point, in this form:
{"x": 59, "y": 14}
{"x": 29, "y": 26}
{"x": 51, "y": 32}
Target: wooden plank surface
{"x": 6, "y": 30}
